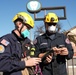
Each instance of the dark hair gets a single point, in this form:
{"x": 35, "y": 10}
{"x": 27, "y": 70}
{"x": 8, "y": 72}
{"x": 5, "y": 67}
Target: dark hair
{"x": 18, "y": 20}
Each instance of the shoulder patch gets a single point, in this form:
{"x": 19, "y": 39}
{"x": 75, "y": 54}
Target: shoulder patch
{"x": 4, "y": 42}
{"x": 67, "y": 41}
{"x": 2, "y": 49}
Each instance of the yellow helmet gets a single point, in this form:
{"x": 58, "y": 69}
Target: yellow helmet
{"x": 27, "y": 19}
{"x": 51, "y": 18}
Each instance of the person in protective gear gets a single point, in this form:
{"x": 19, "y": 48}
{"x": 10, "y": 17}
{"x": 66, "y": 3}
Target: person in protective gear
{"x": 15, "y": 47}
{"x": 51, "y": 21}
{"x": 27, "y": 23}
{"x": 57, "y": 44}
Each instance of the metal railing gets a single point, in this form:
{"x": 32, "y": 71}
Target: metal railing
{"x": 71, "y": 66}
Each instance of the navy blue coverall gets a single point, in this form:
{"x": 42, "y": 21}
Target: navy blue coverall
{"x": 11, "y": 53}
{"x": 58, "y": 64}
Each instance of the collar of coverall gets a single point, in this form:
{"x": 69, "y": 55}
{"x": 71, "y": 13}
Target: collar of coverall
{"x": 55, "y": 35}
{"x": 17, "y": 37}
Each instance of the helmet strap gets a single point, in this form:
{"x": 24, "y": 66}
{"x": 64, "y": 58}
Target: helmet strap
{"x": 20, "y": 30}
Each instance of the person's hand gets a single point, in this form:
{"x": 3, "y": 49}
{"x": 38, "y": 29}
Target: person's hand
{"x": 61, "y": 51}
{"x": 64, "y": 51}
{"x": 32, "y": 61}
{"x": 49, "y": 58}
{"x": 56, "y": 50}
